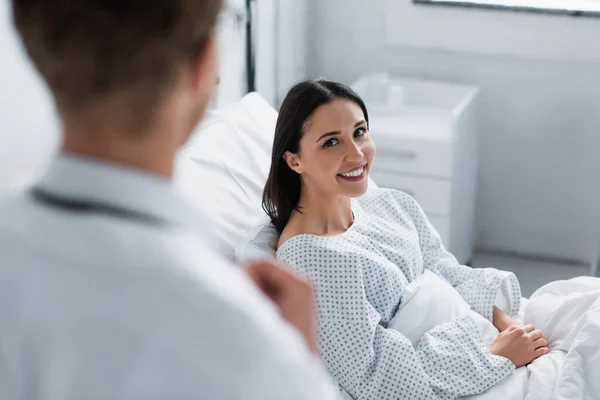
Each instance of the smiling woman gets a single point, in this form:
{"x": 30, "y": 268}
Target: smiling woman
{"x": 362, "y": 251}
{"x": 345, "y": 153}
{"x": 321, "y": 156}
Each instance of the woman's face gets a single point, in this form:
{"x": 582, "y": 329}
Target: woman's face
{"x": 336, "y": 150}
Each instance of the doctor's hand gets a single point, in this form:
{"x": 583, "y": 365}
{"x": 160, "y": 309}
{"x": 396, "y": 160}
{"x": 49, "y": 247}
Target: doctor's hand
{"x": 520, "y": 344}
{"x": 290, "y": 293}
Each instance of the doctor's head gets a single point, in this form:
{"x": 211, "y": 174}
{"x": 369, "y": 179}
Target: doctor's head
{"x": 128, "y": 62}
{"x": 322, "y": 148}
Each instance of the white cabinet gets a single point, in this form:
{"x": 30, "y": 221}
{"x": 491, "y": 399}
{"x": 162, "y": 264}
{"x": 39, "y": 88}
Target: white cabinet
{"x": 427, "y": 147}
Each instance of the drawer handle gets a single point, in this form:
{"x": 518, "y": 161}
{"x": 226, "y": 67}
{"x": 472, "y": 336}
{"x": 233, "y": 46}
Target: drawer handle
{"x": 410, "y": 155}
{"x": 397, "y": 153}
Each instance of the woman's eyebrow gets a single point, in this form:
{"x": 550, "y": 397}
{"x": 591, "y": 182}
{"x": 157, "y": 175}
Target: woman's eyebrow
{"x": 328, "y": 134}
{"x": 359, "y": 123}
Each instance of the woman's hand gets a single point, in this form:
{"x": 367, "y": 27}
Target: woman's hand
{"x": 520, "y": 344}
{"x": 502, "y": 321}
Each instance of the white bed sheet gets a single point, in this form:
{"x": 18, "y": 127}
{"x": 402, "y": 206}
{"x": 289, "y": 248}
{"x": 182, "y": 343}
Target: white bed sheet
{"x": 568, "y": 312}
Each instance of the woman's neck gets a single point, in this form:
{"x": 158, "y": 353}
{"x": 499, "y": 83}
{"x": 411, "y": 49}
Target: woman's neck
{"x": 324, "y": 215}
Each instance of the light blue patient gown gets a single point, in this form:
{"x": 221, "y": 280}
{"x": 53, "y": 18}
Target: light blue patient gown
{"x": 359, "y": 278}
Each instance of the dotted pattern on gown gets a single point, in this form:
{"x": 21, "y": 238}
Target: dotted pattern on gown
{"x": 359, "y": 278}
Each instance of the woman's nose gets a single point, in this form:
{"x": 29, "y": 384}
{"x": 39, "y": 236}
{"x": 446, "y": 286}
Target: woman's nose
{"x": 355, "y": 153}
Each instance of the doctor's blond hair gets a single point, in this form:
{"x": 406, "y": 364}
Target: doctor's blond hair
{"x": 132, "y": 49}
{"x": 283, "y": 188}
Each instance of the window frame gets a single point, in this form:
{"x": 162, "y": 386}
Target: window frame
{"x": 583, "y": 8}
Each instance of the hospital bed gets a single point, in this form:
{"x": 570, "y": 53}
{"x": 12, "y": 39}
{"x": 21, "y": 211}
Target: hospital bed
{"x": 223, "y": 169}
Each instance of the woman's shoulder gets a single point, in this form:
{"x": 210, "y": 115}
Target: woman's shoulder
{"x": 384, "y": 194}
{"x": 289, "y": 232}
{"x": 386, "y": 201}
{"x": 302, "y": 244}
{"x": 323, "y": 260}
{"x": 305, "y": 252}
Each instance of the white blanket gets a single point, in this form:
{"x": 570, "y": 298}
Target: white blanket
{"x": 568, "y": 312}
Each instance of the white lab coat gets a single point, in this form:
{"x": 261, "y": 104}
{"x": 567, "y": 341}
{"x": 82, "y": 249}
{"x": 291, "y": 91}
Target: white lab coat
{"x": 133, "y": 304}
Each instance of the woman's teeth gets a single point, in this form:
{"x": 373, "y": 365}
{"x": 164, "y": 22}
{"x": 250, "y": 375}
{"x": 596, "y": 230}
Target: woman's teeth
{"x": 355, "y": 173}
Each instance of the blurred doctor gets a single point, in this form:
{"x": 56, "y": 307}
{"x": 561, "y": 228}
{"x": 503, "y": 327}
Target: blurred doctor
{"x": 109, "y": 287}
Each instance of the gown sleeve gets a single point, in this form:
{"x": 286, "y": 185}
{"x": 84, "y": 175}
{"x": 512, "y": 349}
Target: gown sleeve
{"x": 481, "y": 288}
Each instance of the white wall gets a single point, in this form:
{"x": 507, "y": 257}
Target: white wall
{"x": 292, "y": 47}
{"x": 28, "y": 126}
{"x": 485, "y": 31}
{"x": 265, "y": 36}
{"x": 232, "y": 54}
{"x": 539, "y": 114}
{"x": 281, "y": 54}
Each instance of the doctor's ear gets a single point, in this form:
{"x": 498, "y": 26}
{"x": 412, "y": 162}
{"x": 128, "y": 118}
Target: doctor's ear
{"x": 293, "y": 162}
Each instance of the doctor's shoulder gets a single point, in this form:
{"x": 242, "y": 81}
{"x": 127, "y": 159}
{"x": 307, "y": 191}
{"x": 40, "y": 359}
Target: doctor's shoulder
{"x": 243, "y": 335}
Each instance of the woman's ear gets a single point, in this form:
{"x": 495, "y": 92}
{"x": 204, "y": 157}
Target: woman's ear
{"x": 293, "y": 162}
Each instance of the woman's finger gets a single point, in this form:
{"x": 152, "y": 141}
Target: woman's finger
{"x": 536, "y": 334}
{"x": 541, "y": 342}
{"x": 540, "y": 351}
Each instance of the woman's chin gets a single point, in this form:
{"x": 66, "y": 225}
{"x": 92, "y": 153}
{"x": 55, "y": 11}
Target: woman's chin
{"x": 353, "y": 188}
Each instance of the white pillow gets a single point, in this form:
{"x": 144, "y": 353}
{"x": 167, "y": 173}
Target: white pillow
{"x": 223, "y": 167}
{"x": 259, "y": 244}
{"x": 427, "y": 302}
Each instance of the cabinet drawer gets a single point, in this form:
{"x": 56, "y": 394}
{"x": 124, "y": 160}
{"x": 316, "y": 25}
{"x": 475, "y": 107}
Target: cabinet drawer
{"x": 405, "y": 154}
{"x": 433, "y": 195}
{"x": 442, "y": 225}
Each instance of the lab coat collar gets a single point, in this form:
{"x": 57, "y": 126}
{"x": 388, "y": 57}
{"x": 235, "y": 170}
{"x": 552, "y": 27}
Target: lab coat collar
{"x": 86, "y": 179}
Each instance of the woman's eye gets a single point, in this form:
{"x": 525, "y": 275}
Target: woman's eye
{"x": 331, "y": 142}
{"x": 360, "y": 132}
